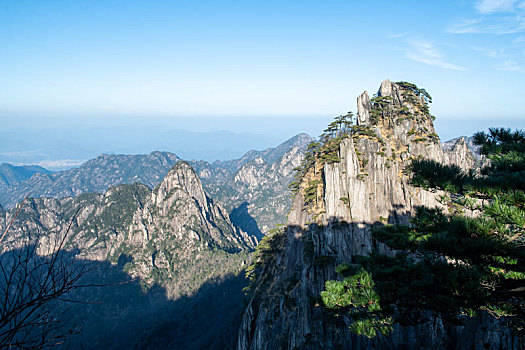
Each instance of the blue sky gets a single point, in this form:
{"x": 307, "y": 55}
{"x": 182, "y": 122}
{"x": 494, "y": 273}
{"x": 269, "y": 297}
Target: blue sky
{"x": 84, "y": 60}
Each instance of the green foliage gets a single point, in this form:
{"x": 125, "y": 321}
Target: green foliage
{"x": 355, "y": 295}
{"x": 431, "y": 174}
{"x": 264, "y": 255}
{"x": 433, "y": 137}
{"x": 422, "y": 93}
{"x": 381, "y": 108}
{"x": 310, "y": 193}
{"x": 500, "y": 141}
{"x": 363, "y": 130}
{"x": 323, "y": 260}
{"x": 417, "y": 96}
{"x": 409, "y": 289}
{"x": 324, "y": 151}
{"x": 465, "y": 264}
{"x": 451, "y": 264}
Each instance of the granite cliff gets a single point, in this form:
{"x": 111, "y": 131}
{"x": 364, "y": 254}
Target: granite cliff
{"x": 254, "y": 188}
{"x": 353, "y": 182}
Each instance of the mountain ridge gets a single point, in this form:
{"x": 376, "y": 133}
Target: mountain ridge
{"x": 173, "y": 238}
{"x": 354, "y": 181}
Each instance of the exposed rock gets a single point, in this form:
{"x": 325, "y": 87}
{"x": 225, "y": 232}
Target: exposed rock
{"x": 259, "y": 179}
{"x": 460, "y": 154}
{"x": 175, "y": 235}
{"x": 256, "y": 185}
{"x": 363, "y": 109}
{"x": 181, "y": 247}
{"x": 386, "y": 88}
{"x": 367, "y": 186}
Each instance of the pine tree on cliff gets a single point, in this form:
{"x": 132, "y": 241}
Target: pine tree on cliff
{"x": 449, "y": 264}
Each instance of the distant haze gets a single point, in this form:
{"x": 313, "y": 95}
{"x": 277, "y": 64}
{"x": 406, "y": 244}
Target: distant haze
{"x": 59, "y": 143}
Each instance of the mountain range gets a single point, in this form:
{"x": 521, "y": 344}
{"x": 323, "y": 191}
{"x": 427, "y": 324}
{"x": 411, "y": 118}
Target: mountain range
{"x": 166, "y": 243}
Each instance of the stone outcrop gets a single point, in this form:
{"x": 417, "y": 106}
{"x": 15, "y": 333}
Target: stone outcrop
{"x": 254, "y": 189}
{"x": 174, "y": 236}
{"x": 363, "y": 109}
{"x": 367, "y": 186}
{"x": 459, "y": 153}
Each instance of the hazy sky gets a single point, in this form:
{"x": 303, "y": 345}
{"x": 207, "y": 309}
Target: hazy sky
{"x": 78, "y": 59}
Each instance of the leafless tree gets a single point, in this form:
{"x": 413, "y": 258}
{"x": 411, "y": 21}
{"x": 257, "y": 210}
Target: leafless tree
{"x": 31, "y": 288}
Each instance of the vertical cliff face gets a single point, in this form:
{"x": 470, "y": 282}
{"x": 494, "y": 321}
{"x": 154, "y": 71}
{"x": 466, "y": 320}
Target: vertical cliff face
{"x": 254, "y": 189}
{"x": 330, "y": 223}
{"x": 459, "y": 153}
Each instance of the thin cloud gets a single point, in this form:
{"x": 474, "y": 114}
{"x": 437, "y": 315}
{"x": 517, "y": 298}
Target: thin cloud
{"x": 60, "y": 164}
{"x": 498, "y": 26}
{"x": 493, "y": 6}
{"x": 425, "y": 52}
{"x": 395, "y": 36}
{"x": 495, "y": 17}
{"x": 490, "y": 53}
{"x": 510, "y": 66}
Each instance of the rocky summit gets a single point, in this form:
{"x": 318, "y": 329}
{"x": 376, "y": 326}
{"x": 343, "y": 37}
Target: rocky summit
{"x": 353, "y": 181}
{"x": 166, "y": 232}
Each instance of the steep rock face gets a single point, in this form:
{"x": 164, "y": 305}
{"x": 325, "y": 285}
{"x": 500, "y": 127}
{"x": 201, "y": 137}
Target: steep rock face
{"x": 181, "y": 237}
{"x": 173, "y": 236}
{"x": 254, "y": 189}
{"x": 459, "y": 153}
{"x": 366, "y": 187}
{"x": 363, "y": 109}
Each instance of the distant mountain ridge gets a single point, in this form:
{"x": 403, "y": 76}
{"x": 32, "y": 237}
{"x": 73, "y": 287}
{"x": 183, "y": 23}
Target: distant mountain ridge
{"x": 60, "y": 145}
{"x": 96, "y": 175}
{"x": 11, "y": 175}
{"x": 253, "y": 188}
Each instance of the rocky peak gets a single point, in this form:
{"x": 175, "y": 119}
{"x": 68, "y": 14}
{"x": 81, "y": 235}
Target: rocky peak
{"x": 459, "y": 153}
{"x": 369, "y": 174}
{"x": 181, "y": 177}
{"x": 363, "y": 109}
{"x": 351, "y": 183}
{"x": 385, "y": 89}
